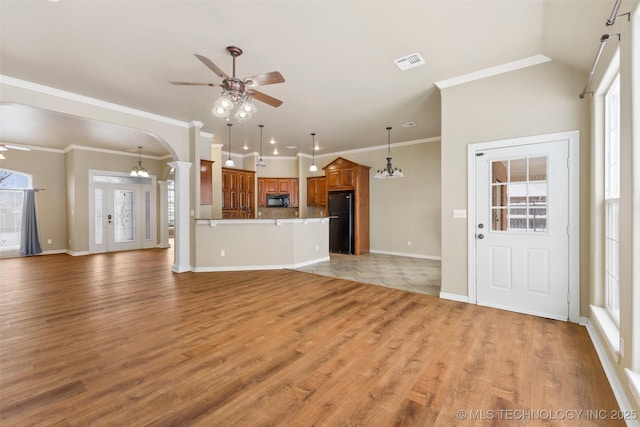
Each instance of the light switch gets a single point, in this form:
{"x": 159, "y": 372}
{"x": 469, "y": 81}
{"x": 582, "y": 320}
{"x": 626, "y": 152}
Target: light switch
{"x": 459, "y": 213}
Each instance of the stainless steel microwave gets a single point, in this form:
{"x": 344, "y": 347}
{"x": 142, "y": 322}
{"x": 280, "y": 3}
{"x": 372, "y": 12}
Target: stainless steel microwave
{"x": 277, "y": 200}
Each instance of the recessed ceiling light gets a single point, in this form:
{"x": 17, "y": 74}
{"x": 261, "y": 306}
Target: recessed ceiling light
{"x": 408, "y": 124}
{"x": 275, "y": 151}
{"x": 272, "y": 141}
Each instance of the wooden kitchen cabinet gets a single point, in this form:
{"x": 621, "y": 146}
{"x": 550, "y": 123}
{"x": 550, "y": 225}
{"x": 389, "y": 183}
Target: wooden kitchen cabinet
{"x": 316, "y": 191}
{"x": 238, "y": 193}
{"x": 345, "y": 175}
{"x": 206, "y": 182}
{"x": 278, "y": 186}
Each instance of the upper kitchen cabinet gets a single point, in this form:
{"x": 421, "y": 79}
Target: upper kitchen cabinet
{"x": 316, "y": 191}
{"x": 278, "y": 186}
{"x": 343, "y": 175}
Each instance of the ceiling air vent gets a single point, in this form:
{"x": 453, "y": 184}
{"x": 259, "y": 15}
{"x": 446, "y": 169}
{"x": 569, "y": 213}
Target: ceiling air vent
{"x": 409, "y": 61}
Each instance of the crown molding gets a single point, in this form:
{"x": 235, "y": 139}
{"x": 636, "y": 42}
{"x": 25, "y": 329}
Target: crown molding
{"x": 90, "y": 101}
{"x": 492, "y": 71}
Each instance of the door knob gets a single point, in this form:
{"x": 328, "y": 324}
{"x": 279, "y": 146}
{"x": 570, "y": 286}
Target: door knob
{"x": 480, "y": 225}
{"x": 480, "y": 236}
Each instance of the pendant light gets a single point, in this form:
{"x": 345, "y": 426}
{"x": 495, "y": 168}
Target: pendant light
{"x": 229, "y": 162}
{"x": 313, "y": 167}
{"x": 389, "y": 171}
{"x": 138, "y": 169}
{"x": 261, "y": 162}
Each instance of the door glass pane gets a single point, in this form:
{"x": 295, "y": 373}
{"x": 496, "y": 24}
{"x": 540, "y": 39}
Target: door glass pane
{"x": 124, "y": 212}
{"x": 147, "y": 215}
{"x": 519, "y": 191}
{"x": 499, "y": 195}
{"x": 97, "y": 219}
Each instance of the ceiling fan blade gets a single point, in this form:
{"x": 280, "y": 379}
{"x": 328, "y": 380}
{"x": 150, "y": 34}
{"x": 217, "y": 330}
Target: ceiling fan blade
{"x": 263, "y": 97}
{"x": 213, "y": 67}
{"x": 15, "y": 147}
{"x": 265, "y": 79}
{"x": 194, "y": 84}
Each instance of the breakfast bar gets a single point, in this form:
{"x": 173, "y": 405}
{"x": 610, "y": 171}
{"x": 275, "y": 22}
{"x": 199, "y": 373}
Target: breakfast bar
{"x": 260, "y": 244}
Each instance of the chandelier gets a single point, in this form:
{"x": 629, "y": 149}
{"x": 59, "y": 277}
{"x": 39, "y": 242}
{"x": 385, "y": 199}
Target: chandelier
{"x": 138, "y": 169}
{"x": 389, "y": 171}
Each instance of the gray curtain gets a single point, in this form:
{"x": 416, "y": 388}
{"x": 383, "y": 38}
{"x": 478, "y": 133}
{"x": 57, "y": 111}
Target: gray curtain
{"x": 29, "y": 240}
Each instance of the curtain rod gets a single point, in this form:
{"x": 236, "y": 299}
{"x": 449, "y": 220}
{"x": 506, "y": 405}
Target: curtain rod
{"x": 614, "y": 14}
{"x": 603, "y": 41}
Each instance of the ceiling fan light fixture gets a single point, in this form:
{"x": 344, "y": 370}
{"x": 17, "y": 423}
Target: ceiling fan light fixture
{"x": 218, "y": 111}
{"x": 248, "y": 107}
{"x": 242, "y": 115}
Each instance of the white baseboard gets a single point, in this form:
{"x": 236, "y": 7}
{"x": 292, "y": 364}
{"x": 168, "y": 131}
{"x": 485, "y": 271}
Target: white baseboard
{"x": 409, "y": 255}
{"x": 454, "y": 297}
{"x": 77, "y": 253}
{"x": 258, "y": 267}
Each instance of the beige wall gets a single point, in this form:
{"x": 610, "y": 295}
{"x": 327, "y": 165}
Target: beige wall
{"x": 48, "y": 172}
{"x": 63, "y": 208}
{"x": 533, "y": 101}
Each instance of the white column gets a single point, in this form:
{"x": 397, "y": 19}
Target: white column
{"x": 182, "y": 243}
{"x": 163, "y": 217}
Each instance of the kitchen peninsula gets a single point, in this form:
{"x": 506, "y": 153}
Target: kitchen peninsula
{"x": 260, "y": 244}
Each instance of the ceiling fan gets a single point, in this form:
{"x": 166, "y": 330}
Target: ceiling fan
{"x": 239, "y": 90}
{"x": 5, "y": 147}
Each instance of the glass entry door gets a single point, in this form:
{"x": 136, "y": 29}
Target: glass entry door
{"x": 123, "y": 214}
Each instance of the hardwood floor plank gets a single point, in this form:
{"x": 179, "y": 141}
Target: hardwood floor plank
{"x": 116, "y": 339}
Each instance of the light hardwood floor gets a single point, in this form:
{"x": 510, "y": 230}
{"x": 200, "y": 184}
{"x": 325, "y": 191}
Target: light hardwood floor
{"x": 118, "y": 339}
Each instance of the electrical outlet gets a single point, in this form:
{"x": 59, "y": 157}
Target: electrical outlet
{"x": 49, "y": 241}
{"x": 317, "y": 247}
{"x": 222, "y": 252}
{"x": 409, "y": 243}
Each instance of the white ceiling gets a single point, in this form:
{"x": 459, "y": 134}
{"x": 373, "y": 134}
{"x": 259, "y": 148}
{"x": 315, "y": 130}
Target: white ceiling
{"x": 336, "y": 57}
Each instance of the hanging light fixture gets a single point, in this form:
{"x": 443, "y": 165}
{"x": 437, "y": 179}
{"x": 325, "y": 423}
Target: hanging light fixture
{"x": 389, "y": 171}
{"x": 229, "y": 162}
{"x": 261, "y": 162}
{"x": 313, "y": 167}
{"x": 138, "y": 169}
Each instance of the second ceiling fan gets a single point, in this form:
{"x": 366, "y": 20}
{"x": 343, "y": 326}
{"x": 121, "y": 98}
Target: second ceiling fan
{"x": 238, "y": 91}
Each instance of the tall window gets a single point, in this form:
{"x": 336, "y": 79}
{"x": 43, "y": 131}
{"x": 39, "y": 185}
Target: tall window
{"x": 171, "y": 202}
{"x": 12, "y": 185}
{"x": 612, "y": 200}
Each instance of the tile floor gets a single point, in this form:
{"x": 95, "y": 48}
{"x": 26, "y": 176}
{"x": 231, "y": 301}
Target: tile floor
{"x": 410, "y": 274}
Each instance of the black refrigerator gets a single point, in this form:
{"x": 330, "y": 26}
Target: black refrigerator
{"x": 341, "y": 236}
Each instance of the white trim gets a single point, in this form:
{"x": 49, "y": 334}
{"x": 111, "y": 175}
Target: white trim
{"x": 259, "y": 267}
{"x": 88, "y": 100}
{"x": 116, "y": 152}
{"x": 573, "y": 138}
{"x": 608, "y": 328}
{"x": 454, "y": 297}
{"x": 634, "y": 383}
{"x": 404, "y": 254}
{"x": 523, "y": 311}
{"x": 610, "y": 373}
{"x": 77, "y": 253}
{"x": 492, "y": 71}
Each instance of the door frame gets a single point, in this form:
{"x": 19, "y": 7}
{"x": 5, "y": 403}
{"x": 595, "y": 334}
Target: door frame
{"x": 573, "y": 140}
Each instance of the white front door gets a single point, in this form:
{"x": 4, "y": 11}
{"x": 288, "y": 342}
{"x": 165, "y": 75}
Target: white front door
{"x": 123, "y": 214}
{"x": 521, "y": 228}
